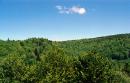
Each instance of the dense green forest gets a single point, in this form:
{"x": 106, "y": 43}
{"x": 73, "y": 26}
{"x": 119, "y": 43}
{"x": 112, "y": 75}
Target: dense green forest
{"x": 38, "y": 60}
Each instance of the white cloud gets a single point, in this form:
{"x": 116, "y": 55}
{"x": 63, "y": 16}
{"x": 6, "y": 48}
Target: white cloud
{"x": 71, "y": 10}
{"x": 59, "y": 7}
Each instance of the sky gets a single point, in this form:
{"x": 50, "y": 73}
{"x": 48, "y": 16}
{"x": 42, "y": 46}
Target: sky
{"x": 63, "y": 19}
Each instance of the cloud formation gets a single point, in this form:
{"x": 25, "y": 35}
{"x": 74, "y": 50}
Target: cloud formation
{"x": 71, "y": 10}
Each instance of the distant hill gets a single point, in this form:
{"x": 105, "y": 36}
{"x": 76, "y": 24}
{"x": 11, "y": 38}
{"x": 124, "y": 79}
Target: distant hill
{"x": 114, "y": 46}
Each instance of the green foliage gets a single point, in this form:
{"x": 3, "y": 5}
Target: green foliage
{"x": 12, "y": 68}
{"x": 116, "y": 47}
{"x": 38, "y": 60}
{"x": 127, "y": 68}
{"x": 93, "y": 68}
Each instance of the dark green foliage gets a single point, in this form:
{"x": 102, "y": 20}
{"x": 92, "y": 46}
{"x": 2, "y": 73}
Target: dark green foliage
{"x": 127, "y": 68}
{"x": 37, "y": 53}
{"x": 93, "y": 68}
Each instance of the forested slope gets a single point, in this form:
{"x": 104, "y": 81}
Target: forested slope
{"x": 115, "y": 47}
{"x": 37, "y": 60}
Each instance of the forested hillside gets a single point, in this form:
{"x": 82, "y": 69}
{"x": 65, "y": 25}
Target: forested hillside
{"x": 38, "y": 60}
{"x": 115, "y": 47}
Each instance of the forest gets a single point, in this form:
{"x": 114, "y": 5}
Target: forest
{"x": 38, "y": 60}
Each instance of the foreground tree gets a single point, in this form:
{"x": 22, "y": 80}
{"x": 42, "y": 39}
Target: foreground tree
{"x": 93, "y": 68}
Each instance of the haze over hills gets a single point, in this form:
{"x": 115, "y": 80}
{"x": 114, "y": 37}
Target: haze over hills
{"x": 63, "y": 19}
{"x": 66, "y": 39}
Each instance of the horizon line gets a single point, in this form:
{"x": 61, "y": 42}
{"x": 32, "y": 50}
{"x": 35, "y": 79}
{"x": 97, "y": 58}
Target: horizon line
{"x": 22, "y": 39}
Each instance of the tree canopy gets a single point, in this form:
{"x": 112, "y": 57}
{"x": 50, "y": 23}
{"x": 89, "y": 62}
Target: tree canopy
{"x": 39, "y": 60}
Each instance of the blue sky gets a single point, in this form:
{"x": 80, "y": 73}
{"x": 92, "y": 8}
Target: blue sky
{"x": 63, "y": 19}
